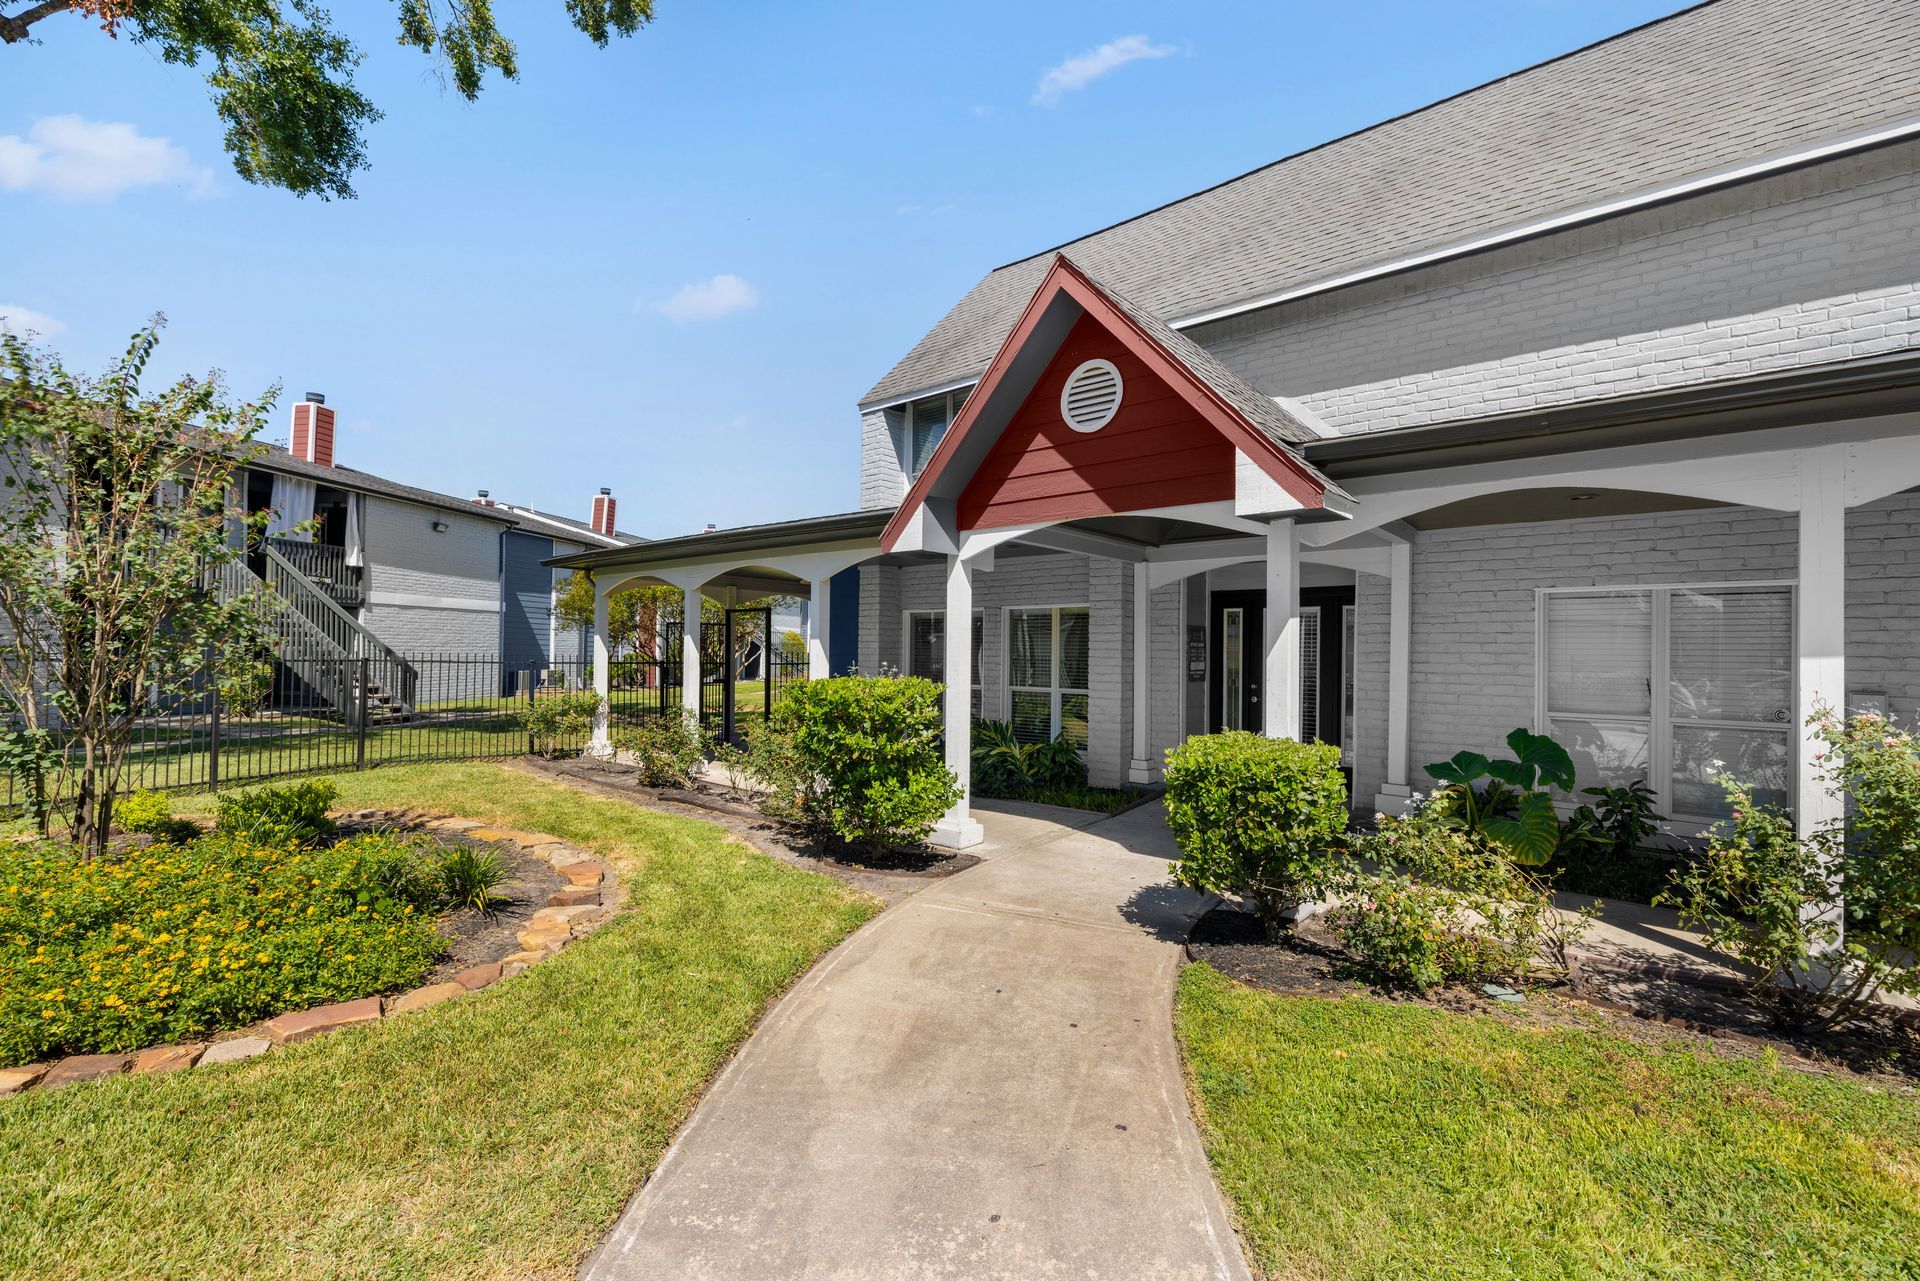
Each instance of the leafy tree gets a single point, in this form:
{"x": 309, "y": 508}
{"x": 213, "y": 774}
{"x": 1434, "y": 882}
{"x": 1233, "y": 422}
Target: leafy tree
{"x": 115, "y": 526}
{"x": 282, "y": 74}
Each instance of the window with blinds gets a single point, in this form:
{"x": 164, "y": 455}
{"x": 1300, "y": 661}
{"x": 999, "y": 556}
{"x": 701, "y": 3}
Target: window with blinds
{"x": 1721, "y": 660}
{"x": 1048, "y": 674}
{"x": 927, "y": 647}
{"x": 1309, "y": 673}
{"x": 927, "y": 421}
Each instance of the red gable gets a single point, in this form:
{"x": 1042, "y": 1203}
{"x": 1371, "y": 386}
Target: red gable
{"x": 1171, "y": 442}
{"x": 1156, "y": 452}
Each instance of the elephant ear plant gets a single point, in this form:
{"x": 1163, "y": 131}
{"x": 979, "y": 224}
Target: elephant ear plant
{"x": 1513, "y": 808}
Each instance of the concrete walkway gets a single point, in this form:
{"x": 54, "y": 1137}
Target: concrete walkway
{"x": 980, "y": 1084}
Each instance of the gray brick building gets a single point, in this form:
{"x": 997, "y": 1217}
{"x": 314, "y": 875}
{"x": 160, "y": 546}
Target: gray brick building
{"x": 1587, "y": 401}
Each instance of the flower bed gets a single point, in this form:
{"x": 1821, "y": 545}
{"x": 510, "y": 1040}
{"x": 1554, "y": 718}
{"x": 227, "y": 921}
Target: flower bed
{"x": 172, "y": 941}
{"x": 161, "y": 949}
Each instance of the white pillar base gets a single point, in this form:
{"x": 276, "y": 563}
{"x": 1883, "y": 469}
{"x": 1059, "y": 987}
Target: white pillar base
{"x": 1393, "y": 798}
{"x": 1145, "y": 773}
{"x": 958, "y": 832}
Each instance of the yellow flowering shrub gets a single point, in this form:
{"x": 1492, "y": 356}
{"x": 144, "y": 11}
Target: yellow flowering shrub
{"x": 171, "y": 942}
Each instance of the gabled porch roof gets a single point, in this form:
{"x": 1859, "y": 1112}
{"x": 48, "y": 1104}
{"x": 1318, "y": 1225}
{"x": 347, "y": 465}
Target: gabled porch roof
{"x": 1206, "y": 428}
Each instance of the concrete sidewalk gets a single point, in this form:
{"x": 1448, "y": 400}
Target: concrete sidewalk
{"x": 980, "y": 1084}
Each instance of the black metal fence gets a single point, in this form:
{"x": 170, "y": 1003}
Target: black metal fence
{"x": 327, "y": 715}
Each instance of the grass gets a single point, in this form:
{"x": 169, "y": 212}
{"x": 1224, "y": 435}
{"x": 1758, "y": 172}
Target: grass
{"x": 1366, "y": 1139}
{"x": 496, "y": 1136}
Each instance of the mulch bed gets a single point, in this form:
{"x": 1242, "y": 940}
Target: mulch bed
{"x": 1651, "y": 1007}
{"x": 736, "y": 812}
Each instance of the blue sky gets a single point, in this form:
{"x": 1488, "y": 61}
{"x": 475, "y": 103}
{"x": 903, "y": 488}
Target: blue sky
{"x": 672, "y": 266}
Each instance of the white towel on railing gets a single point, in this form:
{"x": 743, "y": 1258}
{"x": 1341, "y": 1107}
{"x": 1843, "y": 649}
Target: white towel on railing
{"x": 292, "y": 504}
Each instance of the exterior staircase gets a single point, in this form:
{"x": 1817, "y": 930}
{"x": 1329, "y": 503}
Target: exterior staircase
{"x": 346, "y": 665}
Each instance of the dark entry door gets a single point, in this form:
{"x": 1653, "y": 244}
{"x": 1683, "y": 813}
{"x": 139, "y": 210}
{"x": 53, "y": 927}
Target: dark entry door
{"x": 1236, "y": 630}
{"x": 1235, "y": 668}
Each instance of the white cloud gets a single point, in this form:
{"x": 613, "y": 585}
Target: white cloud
{"x": 73, "y": 158}
{"x": 22, "y": 321}
{"x": 711, "y": 299}
{"x": 1083, "y": 69}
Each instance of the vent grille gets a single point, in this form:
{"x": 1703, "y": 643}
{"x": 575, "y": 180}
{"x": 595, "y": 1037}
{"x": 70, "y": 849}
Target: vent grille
{"x": 1092, "y": 396}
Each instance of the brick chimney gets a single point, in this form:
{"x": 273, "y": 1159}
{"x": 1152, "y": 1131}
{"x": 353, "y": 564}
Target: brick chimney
{"x": 483, "y": 499}
{"x": 602, "y": 521}
{"x": 313, "y": 430}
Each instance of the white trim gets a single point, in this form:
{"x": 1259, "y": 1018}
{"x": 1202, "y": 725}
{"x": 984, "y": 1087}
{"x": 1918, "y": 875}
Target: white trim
{"x": 1725, "y": 176}
{"x": 415, "y": 600}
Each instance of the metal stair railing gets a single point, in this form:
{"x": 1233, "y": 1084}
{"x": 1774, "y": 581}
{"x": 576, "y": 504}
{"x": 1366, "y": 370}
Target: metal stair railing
{"x": 310, "y": 652}
{"x": 396, "y": 676}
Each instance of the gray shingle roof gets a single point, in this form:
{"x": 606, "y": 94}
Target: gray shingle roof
{"x": 1712, "y": 85}
{"x": 278, "y": 459}
{"x": 586, "y": 529}
{"x": 1269, "y": 417}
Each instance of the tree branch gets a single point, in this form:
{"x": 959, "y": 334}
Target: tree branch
{"x": 13, "y": 30}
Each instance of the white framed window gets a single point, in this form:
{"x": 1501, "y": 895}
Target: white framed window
{"x": 926, "y": 631}
{"x": 1674, "y": 685}
{"x": 1048, "y": 673}
{"x": 927, "y": 420}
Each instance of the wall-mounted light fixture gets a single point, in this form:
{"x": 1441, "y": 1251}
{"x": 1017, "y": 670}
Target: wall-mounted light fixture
{"x": 440, "y": 527}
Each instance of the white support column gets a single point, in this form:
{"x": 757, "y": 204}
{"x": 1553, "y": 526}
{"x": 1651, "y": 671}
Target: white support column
{"x": 690, "y": 652}
{"x": 958, "y": 829}
{"x": 1396, "y": 788}
{"x": 1280, "y": 673}
{"x": 601, "y": 744}
{"x": 1820, "y": 624}
{"x": 1141, "y": 768}
{"x": 820, "y": 630}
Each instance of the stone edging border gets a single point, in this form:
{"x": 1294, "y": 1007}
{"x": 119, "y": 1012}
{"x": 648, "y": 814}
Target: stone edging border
{"x": 590, "y": 897}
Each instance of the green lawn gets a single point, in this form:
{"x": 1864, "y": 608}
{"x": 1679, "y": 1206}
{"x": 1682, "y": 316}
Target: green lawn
{"x": 1367, "y": 1139}
{"x": 496, "y": 1136}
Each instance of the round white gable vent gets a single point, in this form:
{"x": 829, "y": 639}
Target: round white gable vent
{"x": 1092, "y": 396}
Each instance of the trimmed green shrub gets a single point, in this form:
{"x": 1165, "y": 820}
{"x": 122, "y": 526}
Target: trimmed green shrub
{"x": 1449, "y": 904}
{"x": 167, "y": 943}
{"x": 1258, "y": 819}
{"x": 151, "y": 814}
{"x": 871, "y": 748}
{"x": 790, "y": 790}
{"x": 558, "y": 721}
{"x": 294, "y": 815}
{"x": 1828, "y": 923}
{"x": 666, "y": 749}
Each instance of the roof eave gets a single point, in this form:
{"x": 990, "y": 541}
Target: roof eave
{"x": 850, "y": 527}
{"x": 1821, "y": 393}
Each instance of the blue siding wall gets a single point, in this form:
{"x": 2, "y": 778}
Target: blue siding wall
{"x": 843, "y": 641}
{"x": 526, "y": 632}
